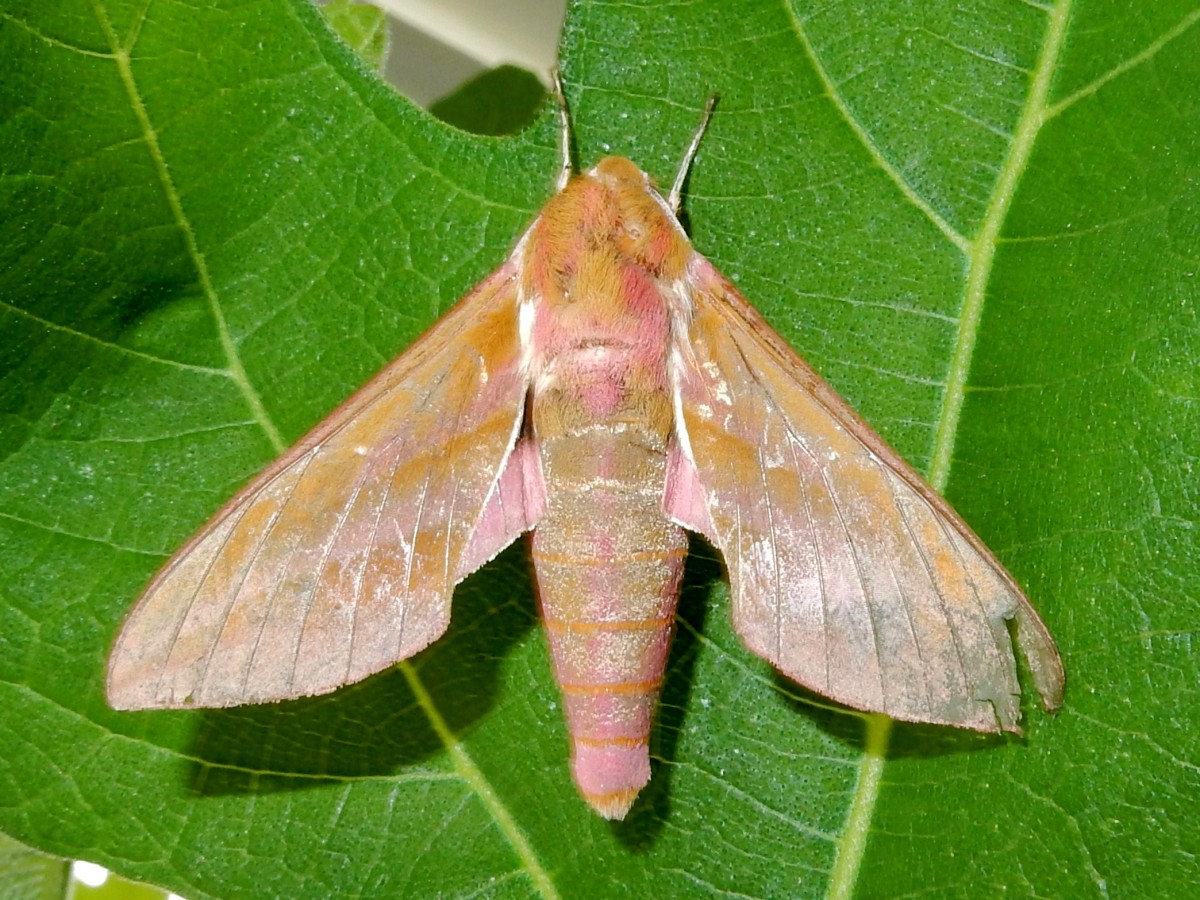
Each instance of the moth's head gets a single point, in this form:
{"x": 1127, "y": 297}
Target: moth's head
{"x": 615, "y": 203}
{"x": 619, "y": 173}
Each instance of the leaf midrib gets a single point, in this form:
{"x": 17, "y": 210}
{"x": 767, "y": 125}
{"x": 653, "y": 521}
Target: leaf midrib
{"x": 979, "y": 253}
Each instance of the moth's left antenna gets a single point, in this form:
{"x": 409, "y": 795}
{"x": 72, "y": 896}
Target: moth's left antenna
{"x": 568, "y": 169}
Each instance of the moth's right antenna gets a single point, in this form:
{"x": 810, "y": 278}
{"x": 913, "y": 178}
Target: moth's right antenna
{"x": 568, "y": 168}
{"x": 673, "y": 198}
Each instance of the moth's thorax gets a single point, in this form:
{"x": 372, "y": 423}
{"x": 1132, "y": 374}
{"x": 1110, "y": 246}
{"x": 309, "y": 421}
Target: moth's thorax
{"x": 601, "y": 265}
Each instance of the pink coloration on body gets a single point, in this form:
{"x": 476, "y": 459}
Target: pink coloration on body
{"x": 605, "y": 388}
{"x": 608, "y": 561}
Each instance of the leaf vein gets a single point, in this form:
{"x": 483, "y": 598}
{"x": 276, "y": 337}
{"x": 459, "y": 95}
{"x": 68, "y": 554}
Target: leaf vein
{"x": 471, "y": 773}
{"x": 124, "y": 65}
{"x": 831, "y": 90}
{"x": 1151, "y": 50}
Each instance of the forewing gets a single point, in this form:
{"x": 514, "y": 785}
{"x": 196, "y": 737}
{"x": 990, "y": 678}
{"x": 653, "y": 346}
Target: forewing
{"x": 848, "y": 572}
{"x": 340, "y": 559}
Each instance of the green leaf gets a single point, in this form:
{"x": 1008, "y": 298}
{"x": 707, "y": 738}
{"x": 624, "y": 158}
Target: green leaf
{"x": 363, "y": 26}
{"x": 26, "y": 874}
{"x": 979, "y": 222}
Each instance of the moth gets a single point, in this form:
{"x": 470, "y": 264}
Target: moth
{"x": 607, "y": 390}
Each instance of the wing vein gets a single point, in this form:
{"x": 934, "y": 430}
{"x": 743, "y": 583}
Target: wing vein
{"x": 847, "y": 532}
{"x": 769, "y": 538}
{"x": 953, "y": 539}
{"x": 330, "y": 540}
{"x": 202, "y": 680}
{"x": 867, "y": 597}
{"x": 262, "y": 627}
{"x": 928, "y": 565}
{"x": 366, "y": 562}
{"x": 818, "y": 561}
{"x": 913, "y": 633}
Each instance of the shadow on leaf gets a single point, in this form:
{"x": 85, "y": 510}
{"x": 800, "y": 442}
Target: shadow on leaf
{"x": 377, "y": 727}
{"x": 907, "y": 738}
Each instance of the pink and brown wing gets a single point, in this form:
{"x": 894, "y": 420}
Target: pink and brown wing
{"x": 341, "y": 558}
{"x": 848, "y": 572}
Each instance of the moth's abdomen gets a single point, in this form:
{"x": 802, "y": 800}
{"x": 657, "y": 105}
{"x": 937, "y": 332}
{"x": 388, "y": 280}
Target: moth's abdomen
{"x": 596, "y": 325}
{"x": 608, "y": 565}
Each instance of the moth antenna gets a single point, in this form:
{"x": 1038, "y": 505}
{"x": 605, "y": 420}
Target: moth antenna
{"x": 674, "y": 198}
{"x": 564, "y": 115}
